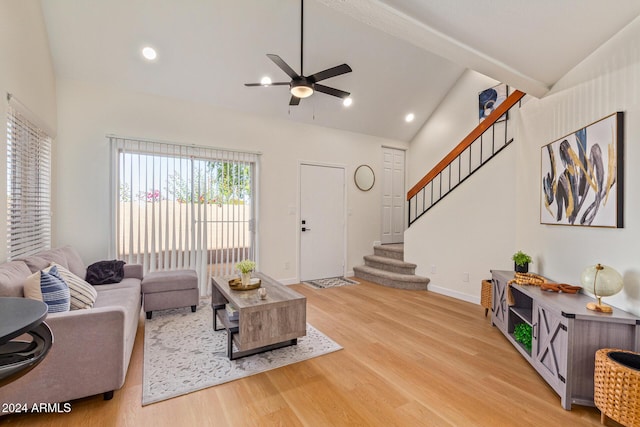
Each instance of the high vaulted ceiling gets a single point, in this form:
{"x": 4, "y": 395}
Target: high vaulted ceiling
{"x": 405, "y": 54}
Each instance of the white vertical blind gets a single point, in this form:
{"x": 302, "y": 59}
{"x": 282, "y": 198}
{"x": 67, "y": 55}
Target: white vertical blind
{"x": 180, "y": 206}
{"x": 28, "y": 185}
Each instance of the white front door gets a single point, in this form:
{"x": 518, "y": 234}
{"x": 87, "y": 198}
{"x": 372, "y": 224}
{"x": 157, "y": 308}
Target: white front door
{"x": 322, "y": 221}
{"x": 393, "y": 195}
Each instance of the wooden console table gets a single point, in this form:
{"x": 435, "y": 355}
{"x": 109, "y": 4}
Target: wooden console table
{"x": 566, "y": 335}
{"x": 263, "y": 324}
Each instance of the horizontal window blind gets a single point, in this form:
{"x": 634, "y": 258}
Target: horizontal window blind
{"x": 28, "y": 186}
{"x": 179, "y": 206}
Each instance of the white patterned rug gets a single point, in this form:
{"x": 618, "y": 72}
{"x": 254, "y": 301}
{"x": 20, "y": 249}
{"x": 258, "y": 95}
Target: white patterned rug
{"x": 331, "y": 282}
{"x": 183, "y": 354}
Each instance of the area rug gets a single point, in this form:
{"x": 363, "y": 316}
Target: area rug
{"x": 331, "y": 282}
{"x": 183, "y": 354}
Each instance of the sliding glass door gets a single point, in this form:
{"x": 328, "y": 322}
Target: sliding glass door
{"x": 181, "y": 206}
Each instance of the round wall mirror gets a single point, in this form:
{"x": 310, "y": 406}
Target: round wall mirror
{"x": 364, "y": 177}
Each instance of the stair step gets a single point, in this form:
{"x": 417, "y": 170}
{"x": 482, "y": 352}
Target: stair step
{"x": 395, "y": 251}
{"x": 388, "y": 278}
{"x": 389, "y": 264}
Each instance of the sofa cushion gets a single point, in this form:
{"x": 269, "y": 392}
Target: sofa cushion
{"x": 83, "y": 295}
{"x": 125, "y": 283}
{"x": 74, "y": 262}
{"x": 31, "y": 287}
{"x": 43, "y": 259}
{"x": 35, "y": 263}
{"x": 12, "y": 276}
{"x": 55, "y": 292}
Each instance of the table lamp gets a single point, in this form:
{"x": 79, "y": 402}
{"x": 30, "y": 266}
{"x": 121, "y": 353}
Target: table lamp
{"x": 603, "y": 281}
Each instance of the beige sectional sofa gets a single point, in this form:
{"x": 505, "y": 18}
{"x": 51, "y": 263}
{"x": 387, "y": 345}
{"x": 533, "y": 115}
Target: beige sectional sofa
{"x": 92, "y": 347}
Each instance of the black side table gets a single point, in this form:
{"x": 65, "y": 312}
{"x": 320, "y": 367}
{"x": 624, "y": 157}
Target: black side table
{"x": 20, "y": 316}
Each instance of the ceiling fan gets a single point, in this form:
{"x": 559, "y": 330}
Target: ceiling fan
{"x": 302, "y": 86}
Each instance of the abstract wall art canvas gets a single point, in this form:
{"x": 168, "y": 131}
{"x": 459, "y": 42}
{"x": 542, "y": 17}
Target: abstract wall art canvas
{"x": 489, "y": 99}
{"x": 582, "y": 176}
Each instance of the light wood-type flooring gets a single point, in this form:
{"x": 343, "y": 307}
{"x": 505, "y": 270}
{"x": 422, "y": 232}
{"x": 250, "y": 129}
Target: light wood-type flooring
{"x": 410, "y": 358}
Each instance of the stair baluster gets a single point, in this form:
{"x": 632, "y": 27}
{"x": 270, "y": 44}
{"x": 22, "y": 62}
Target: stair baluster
{"x": 463, "y": 160}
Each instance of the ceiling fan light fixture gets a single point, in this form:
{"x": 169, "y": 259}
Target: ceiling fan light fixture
{"x": 301, "y": 90}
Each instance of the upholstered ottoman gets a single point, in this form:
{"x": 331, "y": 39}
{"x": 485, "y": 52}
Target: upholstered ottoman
{"x": 170, "y": 289}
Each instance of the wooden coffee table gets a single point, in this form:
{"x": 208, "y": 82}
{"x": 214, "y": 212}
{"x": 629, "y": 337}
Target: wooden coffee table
{"x": 263, "y": 324}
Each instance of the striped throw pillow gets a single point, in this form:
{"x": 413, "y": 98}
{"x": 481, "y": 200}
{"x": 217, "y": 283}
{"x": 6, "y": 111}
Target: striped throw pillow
{"x": 83, "y": 295}
{"x": 55, "y": 292}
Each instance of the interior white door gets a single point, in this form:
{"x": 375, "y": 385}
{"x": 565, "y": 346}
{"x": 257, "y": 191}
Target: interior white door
{"x": 393, "y": 196}
{"x": 322, "y": 217}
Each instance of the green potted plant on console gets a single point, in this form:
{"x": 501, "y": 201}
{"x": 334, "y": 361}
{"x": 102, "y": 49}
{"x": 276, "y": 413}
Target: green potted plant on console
{"x": 521, "y": 261}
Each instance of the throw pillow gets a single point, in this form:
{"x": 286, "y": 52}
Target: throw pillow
{"x": 105, "y": 272}
{"x": 31, "y": 287}
{"x": 83, "y": 295}
{"x": 55, "y": 292}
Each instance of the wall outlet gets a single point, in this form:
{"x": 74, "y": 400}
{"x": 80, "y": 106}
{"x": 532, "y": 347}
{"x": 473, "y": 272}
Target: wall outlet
{"x": 434, "y": 270}
{"x": 287, "y": 265}
{"x": 465, "y": 277}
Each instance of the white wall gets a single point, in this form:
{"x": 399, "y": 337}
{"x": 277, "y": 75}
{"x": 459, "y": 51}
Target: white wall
{"x": 607, "y": 81}
{"x": 26, "y": 71}
{"x": 86, "y": 113}
{"x": 461, "y": 227}
{"x": 454, "y": 118}
{"x": 472, "y": 229}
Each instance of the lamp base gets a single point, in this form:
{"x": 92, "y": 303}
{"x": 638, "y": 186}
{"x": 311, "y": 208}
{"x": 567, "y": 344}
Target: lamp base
{"x": 601, "y": 308}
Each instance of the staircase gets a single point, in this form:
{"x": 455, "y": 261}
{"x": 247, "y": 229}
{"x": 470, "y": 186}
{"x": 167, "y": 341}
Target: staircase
{"x": 483, "y": 143}
{"x": 387, "y": 267}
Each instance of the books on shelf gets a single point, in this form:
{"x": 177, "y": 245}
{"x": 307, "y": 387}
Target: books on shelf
{"x": 232, "y": 312}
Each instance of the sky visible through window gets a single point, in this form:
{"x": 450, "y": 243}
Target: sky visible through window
{"x": 149, "y": 178}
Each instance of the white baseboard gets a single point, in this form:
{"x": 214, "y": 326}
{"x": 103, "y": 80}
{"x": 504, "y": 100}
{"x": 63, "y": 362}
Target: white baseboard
{"x": 290, "y": 281}
{"x": 350, "y": 274}
{"x": 454, "y": 294}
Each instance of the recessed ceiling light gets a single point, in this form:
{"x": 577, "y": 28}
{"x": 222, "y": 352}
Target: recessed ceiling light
{"x": 149, "y": 53}
{"x": 409, "y": 117}
{"x": 347, "y": 102}
{"x": 265, "y": 81}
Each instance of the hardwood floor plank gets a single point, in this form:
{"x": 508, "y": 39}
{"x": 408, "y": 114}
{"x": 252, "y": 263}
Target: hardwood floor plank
{"x": 410, "y": 358}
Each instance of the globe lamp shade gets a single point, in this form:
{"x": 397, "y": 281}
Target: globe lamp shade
{"x": 602, "y": 281}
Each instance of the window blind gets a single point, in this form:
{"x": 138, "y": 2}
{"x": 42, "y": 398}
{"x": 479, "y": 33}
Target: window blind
{"x": 28, "y": 186}
{"x": 181, "y": 206}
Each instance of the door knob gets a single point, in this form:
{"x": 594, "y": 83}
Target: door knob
{"x": 306, "y": 229}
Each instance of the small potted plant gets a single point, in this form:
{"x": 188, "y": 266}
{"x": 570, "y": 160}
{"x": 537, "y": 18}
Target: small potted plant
{"x": 246, "y": 267}
{"x": 521, "y": 261}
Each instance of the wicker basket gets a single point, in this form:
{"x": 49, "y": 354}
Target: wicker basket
{"x": 485, "y": 296}
{"x": 617, "y": 386}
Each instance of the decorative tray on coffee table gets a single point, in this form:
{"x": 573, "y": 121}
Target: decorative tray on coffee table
{"x": 236, "y": 284}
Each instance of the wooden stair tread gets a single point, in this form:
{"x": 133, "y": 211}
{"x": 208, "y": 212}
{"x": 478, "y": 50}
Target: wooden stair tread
{"x": 390, "y": 261}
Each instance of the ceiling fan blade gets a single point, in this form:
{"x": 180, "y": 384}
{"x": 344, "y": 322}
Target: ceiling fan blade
{"x": 330, "y": 72}
{"x": 331, "y": 91}
{"x": 294, "y": 100}
{"x": 283, "y": 66}
{"x": 270, "y": 84}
